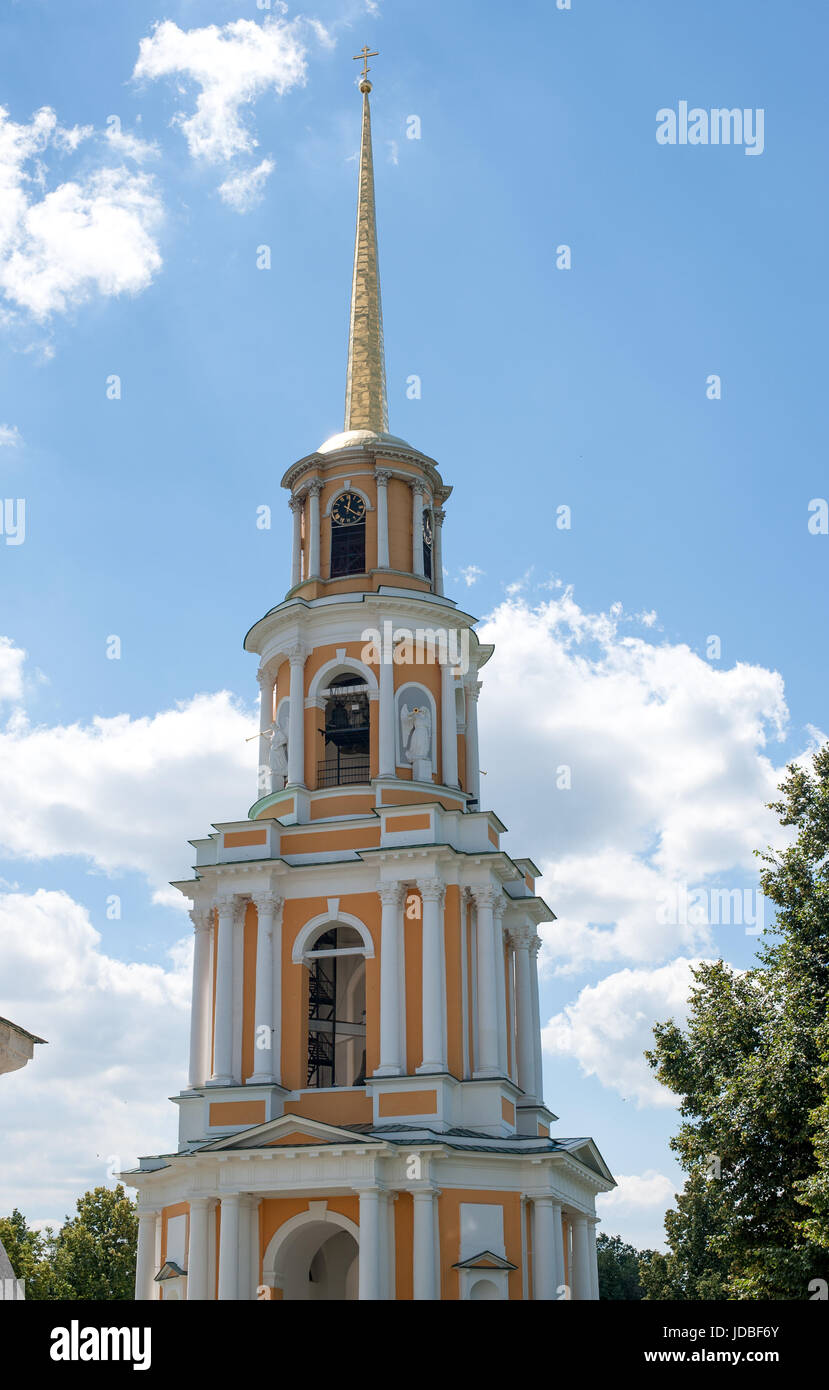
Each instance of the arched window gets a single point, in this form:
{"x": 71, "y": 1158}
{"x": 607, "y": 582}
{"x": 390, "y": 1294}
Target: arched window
{"x": 336, "y": 1008}
{"x": 427, "y": 544}
{"x": 348, "y": 535}
{"x": 346, "y": 733}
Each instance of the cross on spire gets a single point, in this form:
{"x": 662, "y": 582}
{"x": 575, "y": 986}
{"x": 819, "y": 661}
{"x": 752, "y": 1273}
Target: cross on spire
{"x": 365, "y": 54}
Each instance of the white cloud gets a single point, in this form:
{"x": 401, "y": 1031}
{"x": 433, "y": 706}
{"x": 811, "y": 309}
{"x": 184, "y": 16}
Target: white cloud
{"x": 12, "y": 659}
{"x": 243, "y": 191}
{"x": 124, "y": 793}
{"x": 10, "y": 437}
{"x": 130, "y": 146}
{"x": 471, "y": 574}
{"x": 629, "y": 766}
{"x": 637, "y": 1192}
{"x": 231, "y": 66}
{"x": 94, "y": 234}
{"x": 394, "y": 152}
{"x": 609, "y": 1026}
{"x": 96, "y": 1094}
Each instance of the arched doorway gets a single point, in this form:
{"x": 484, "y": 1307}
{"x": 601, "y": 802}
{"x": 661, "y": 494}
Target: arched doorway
{"x": 315, "y": 1260}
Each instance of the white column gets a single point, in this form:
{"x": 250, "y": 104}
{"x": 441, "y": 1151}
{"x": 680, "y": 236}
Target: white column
{"x": 223, "y": 1026}
{"x": 417, "y": 527}
{"x": 145, "y": 1271}
{"x": 473, "y": 771}
{"x": 425, "y": 1245}
{"x": 296, "y": 718}
{"x": 432, "y": 980}
{"x": 581, "y": 1259}
{"x": 197, "y": 1249}
{"x": 314, "y": 530}
{"x": 200, "y": 1003}
{"x": 592, "y": 1257}
{"x": 500, "y": 982}
{"x": 544, "y": 1268}
{"x": 535, "y": 947}
{"x": 229, "y": 1247}
{"x": 383, "y": 476}
{"x": 369, "y": 1271}
{"x": 391, "y": 966}
{"x": 266, "y": 689}
{"x": 558, "y": 1247}
{"x": 253, "y": 1217}
{"x": 387, "y": 752}
{"x": 243, "y": 1292}
{"x": 439, "y": 516}
{"x": 521, "y": 940}
{"x": 265, "y": 1066}
{"x": 296, "y": 505}
{"x": 487, "y": 1058}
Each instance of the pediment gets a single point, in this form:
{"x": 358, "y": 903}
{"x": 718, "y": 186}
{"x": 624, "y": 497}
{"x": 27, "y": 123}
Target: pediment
{"x": 289, "y": 1131}
{"x": 485, "y": 1260}
{"x": 585, "y": 1151}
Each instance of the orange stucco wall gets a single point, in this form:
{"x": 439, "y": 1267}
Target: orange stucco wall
{"x": 449, "y": 1203}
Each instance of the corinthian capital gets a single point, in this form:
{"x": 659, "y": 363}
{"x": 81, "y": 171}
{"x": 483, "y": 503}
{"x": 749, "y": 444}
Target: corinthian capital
{"x": 202, "y": 918}
{"x": 521, "y": 938}
{"x": 431, "y": 889}
{"x": 297, "y": 502}
{"x": 390, "y": 894}
{"x": 268, "y": 902}
{"x": 486, "y": 896}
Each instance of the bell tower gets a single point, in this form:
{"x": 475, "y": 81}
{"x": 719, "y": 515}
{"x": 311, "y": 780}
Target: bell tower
{"x": 365, "y": 1114}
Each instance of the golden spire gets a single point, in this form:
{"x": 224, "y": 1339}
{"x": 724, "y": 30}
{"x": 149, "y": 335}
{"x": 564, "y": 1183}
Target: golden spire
{"x": 366, "y": 405}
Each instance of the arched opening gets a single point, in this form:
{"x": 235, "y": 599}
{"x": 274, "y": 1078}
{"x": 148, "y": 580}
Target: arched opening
{"x": 346, "y": 732}
{"x": 317, "y": 1262}
{"x": 484, "y": 1288}
{"x": 427, "y": 544}
{"x": 336, "y": 1008}
{"x": 348, "y": 535}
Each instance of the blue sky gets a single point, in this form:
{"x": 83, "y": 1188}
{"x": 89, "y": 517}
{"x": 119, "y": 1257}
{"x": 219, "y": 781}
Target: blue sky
{"x": 540, "y": 387}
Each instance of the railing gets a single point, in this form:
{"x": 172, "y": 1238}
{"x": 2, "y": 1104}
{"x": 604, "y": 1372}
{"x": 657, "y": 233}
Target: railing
{"x": 342, "y": 773}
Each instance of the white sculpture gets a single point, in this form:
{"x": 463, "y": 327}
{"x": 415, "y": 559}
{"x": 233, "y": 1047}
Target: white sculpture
{"x": 278, "y": 759}
{"x": 416, "y": 728}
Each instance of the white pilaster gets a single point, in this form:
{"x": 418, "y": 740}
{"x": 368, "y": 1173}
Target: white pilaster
{"x": 473, "y": 771}
{"x": 145, "y": 1270}
{"x": 229, "y": 1247}
{"x": 522, "y": 940}
{"x": 253, "y": 1218}
{"x": 582, "y": 1285}
{"x": 296, "y": 718}
{"x": 383, "y": 476}
{"x": 417, "y": 527}
{"x": 265, "y": 1062}
{"x": 500, "y": 982}
{"x": 296, "y": 504}
{"x": 391, "y": 969}
{"x": 487, "y": 1041}
{"x": 200, "y": 1004}
{"x": 449, "y": 726}
{"x": 197, "y": 1251}
{"x": 266, "y": 717}
{"x": 544, "y": 1266}
{"x": 223, "y": 1026}
{"x": 439, "y": 516}
{"x": 369, "y": 1271}
{"x": 432, "y": 982}
{"x": 387, "y": 755}
{"x": 425, "y": 1244}
{"x": 314, "y": 530}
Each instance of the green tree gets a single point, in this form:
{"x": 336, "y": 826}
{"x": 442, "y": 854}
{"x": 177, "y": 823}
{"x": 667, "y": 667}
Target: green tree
{"x": 27, "y": 1250}
{"x": 619, "y": 1268}
{"x": 94, "y": 1255}
{"x": 752, "y": 1074}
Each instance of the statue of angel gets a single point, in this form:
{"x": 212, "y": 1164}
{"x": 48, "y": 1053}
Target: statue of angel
{"x": 416, "y": 728}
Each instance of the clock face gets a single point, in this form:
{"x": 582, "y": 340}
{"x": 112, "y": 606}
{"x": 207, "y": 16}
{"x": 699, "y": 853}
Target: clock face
{"x": 348, "y": 509}
{"x": 427, "y": 528}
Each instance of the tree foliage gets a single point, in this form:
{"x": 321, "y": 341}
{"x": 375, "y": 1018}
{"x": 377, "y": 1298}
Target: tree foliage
{"x": 751, "y": 1069}
{"x": 91, "y": 1257}
{"x": 619, "y": 1268}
